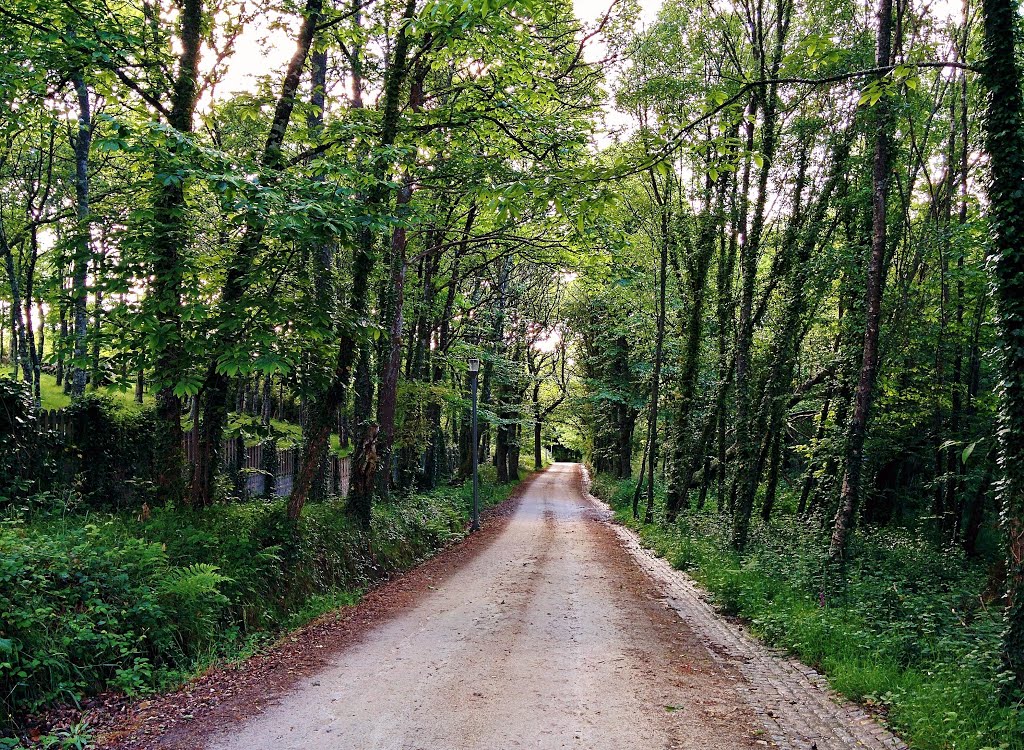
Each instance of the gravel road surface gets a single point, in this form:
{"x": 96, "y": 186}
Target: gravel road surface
{"x": 550, "y": 637}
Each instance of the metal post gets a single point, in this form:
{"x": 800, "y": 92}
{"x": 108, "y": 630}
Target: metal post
{"x": 476, "y": 466}
{"x": 474, "y": 367}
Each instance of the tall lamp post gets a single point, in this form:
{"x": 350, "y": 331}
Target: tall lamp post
{"x": 474, "y": 371}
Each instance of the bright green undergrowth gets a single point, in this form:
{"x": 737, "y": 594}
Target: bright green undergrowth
{"x": 910, "y": 633}
{"x": 91, "y": 602}
{"x": 52, "y": 396}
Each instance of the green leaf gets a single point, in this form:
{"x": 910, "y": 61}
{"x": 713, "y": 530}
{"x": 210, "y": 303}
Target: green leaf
{"x": 968, "y": 451}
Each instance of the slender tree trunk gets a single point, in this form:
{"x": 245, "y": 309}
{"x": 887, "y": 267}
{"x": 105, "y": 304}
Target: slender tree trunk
{"x": 538, "y": 421}
{"x": 652, "y": 425}
{"x": 954, "y": 496}
{"x": 19, "y": 341}
{"x": 42, "y": 331}
{"x": 538, "y": 457}
{"x": 79, "y": 294}
{"x": 771, "y": 486}
{"x": 437, "y": 440}
{"x": 976, "y": 515}
{"x": 62, "y": 342}
{"x": 217, "y": 386}
{"x": 812, "y": 461}
{"x": 34, "y": 355}
{"x": 638, "y": 490}
{"x": 880, "y": 179}
{"x": 97, "y": 318}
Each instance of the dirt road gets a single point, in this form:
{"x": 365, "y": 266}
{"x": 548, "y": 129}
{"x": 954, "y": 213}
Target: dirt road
{"x": 550, "y": 637}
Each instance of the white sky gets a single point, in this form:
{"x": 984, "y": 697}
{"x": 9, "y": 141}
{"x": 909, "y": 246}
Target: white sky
{"x": 590, "y": 10}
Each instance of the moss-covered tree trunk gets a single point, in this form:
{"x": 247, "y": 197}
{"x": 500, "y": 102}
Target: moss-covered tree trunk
{"x": 1004, "y": 142}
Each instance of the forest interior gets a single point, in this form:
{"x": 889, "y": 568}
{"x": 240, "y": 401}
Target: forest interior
{"x": 280, "y": 275}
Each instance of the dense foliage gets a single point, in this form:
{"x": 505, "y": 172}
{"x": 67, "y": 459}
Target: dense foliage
{"x": 799, "y": 328}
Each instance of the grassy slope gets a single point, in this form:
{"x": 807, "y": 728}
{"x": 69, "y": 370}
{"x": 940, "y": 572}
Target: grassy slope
{"x": 909, "y": 635}
{"x": 53, "y": 396}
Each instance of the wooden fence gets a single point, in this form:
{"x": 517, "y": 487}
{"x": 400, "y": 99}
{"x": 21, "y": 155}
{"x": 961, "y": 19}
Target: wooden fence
{"x": 55, "y": 421}
{"x": 264, "y": 475}
{"x": 261, "y": 473}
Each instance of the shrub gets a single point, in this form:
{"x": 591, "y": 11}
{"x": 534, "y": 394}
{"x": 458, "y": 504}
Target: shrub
{"x": 21, "y": 461}
{"x": 78, "y": 610}
{"x": 110, "y": 452}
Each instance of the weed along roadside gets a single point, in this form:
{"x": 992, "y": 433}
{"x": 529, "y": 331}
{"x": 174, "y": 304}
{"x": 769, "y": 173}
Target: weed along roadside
{"x": 911, "y": 636}
{"x": 116, "y": 604}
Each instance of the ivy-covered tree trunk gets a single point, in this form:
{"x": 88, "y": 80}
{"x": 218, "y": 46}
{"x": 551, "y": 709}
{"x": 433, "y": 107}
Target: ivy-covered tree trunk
{"x": 799, "y": 242}
{"x": 682, "y": 460}
{"x": 1004, "y": 142}
{"x": 349, "y": 346}
{"x": 747, "y": 441}
{"x": 659, "y": 347}
{"x": 321, "y": 282}
{"x": 387, "y": 398}
{"x": 864, "y": 394}
{"x": 169, "y": 242}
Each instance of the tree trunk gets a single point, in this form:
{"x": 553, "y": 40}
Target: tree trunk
{"x": 771, "y": 486}
{"x": 387, "y": 398}
{"x": 880, "y": 180}
{"x": 348, "y": 345}
{"x": 750, "y": 253}
{"x": 80, "y": 263}
{"x": 682, "y": 458}
{"x": 97, "y": 318}
{"x": 1004, "y": 142}
{"x": 538, "y": 458}
{"x": 169, "y": 240}
{"x": 216, "y": 385}
{"x": 34, "y": 355}
{"x": 62, "y": 342}
{"x": 652, "y": 419}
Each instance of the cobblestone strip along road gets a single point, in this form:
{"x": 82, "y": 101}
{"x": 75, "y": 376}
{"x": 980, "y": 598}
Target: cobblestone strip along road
{"x": 792, "y": 700}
